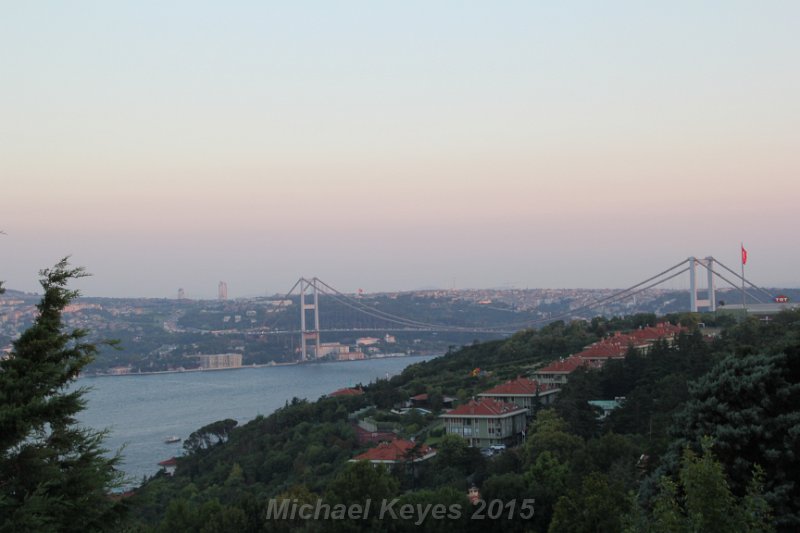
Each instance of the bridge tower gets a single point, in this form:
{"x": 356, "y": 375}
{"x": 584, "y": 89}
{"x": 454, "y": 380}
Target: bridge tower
{"x": 711, "y": 295}
{"x": 305, "y": 333}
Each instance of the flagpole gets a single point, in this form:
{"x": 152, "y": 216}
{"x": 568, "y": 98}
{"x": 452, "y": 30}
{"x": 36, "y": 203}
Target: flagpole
{"x": 744, "y": 298}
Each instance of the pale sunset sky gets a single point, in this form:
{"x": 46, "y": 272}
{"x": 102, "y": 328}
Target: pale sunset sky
{"x": 396, "y": 145}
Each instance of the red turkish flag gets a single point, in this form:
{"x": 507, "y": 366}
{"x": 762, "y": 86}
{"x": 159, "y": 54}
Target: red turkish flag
{"x": 744, "y": 255}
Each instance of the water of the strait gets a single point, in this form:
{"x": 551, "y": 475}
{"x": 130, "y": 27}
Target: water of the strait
{"x": 141, "y": 411}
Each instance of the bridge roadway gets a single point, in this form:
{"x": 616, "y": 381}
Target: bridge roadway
{"x": 174, "y": 329}
{"x": 345, "y": 330}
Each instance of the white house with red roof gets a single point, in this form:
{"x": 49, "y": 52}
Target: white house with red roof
{"x": 396, "y": 451}
{"x": 486, "y": 422}
{"x": 169, "y": 465}
{"x": 524, "y": 392}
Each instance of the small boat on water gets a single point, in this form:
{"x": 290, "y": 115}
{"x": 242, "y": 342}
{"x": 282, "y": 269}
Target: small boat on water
{"x": 172, "y": 440}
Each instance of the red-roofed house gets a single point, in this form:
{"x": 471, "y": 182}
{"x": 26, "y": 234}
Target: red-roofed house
{"x": 486, "y": 422}
{"x": 612, "y": 348}
{"x": 349, "y": 391}
{"x": 396, "y": 451}
{"x": 663, "y": 330}
{"x": 617, "y": 346}
{"x": 556, "y": 372}
{"x": 424, "y": 400}
{"x": 522, "y": 392}
{"x": 169, "y": 465}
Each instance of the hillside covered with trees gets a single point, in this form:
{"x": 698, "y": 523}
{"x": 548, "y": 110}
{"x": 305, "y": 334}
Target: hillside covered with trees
{"x": 705, "y": 440}
{"x": 703, "y": 437}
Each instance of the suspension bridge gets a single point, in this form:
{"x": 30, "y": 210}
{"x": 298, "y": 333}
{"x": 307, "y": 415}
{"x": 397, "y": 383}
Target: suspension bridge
{"x": 309, "y": 290}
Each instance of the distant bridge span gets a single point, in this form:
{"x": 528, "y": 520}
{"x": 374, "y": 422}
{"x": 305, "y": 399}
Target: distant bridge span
{"x": 310, "y": 326}
{"x": 387, "y": 328}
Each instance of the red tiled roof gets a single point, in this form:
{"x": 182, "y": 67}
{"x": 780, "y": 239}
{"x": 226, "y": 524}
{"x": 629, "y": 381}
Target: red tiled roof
{"x": 659, "y": 331}
{"x": 618, "y": 344}
{"x": 565, "y": 366}
{"x": 485, "y": 407}
{"x": 168, "y": 462}
{"x": 346, "y": 392}
{"x": 420, "y": 397}
{"x": 520, "y": 386}
{"x": 394, "y": 451}
{"x": 617, "y": 347}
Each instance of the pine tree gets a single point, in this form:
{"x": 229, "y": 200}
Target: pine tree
{"x": 53, "y": 475}
{"x": 751, "y": 407}
{"x": 701, "y": 500}
{"x": 599, "y": 505}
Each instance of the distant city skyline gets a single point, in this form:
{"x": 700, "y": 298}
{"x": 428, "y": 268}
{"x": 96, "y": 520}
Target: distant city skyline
{"x": 680, "y": 283}
{"x": 391, "y": 147}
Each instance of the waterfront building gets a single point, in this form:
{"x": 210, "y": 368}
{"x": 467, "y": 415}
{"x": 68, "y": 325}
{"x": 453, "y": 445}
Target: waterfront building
{"x": 169, "y": 465}
{"x": 220, "y": 360}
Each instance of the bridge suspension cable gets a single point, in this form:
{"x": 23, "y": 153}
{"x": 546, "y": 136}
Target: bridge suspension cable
{"x": 620, "y": 295}
{"x": 745, "y": 280}
{"x": 626, "y": 293}
{"x": 377, "y": 313}
{"x": 729, "y": 282}
{"x": 615, "y": 296}
{"x": 286, "y": 298}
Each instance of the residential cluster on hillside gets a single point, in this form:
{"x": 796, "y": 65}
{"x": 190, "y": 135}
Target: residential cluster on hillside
{"x": 614, "y": 347}
{"x": 498, "y": 417}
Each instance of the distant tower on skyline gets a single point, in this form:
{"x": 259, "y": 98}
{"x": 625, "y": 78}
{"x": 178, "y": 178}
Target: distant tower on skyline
{"x": 181, "y": 294}
{"x": 222, "y": 291}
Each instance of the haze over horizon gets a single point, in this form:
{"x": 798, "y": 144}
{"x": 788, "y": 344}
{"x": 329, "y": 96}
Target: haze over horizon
{"x": 396, "y": 146}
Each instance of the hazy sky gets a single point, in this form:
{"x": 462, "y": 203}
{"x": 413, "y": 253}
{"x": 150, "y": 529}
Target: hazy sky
{"x": 396, "y": 145}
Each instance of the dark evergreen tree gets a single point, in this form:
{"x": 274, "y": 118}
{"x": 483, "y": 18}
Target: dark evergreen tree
{"x": 53, "y": 475}
{"x": 354, "y": 485}
{"x": 701, "y": 500}
{"x": 599, "y": 505}
{"x": 750, "y": 406}
{"x": 573, "y": 403}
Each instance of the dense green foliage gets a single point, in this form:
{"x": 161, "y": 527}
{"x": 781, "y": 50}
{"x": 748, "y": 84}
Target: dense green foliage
{"x": 53, "y": 476}
{"x": 701, "y": 500}
{"x": 750, "y": 405}
{"x": 705, "y": 437}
